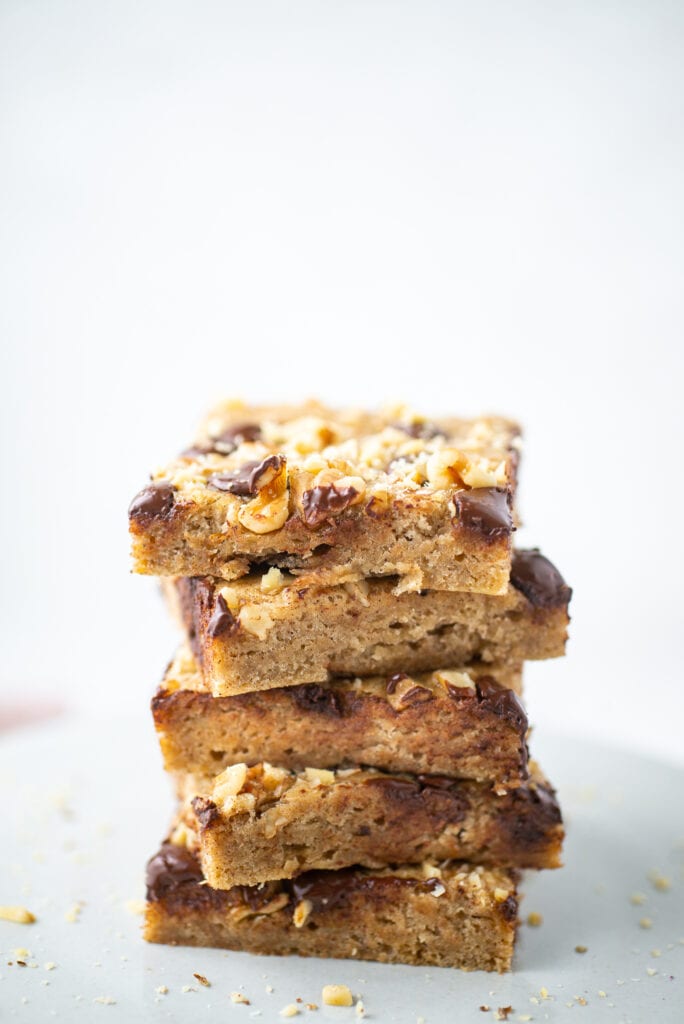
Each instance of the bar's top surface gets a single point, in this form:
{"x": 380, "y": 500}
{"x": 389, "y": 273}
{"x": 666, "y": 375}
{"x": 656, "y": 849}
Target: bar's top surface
{"x": 352, "y": 450}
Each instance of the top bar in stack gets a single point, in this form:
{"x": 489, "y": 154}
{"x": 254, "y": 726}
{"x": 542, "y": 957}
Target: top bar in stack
{"x": 335, "y": 496}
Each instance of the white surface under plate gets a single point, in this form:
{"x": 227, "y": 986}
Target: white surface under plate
{"x": 83, "y": 810}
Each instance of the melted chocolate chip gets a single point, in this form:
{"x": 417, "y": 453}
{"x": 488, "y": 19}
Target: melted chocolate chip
{"x": 171, "y": 867}
{"x": 417, "y": 695}
{"x": 222, "y": 621}
{"x": 425, "y": 431}
{"x": 257, "y": 896}
{"x": 539, "y": 580}
{"x": 394, "y": 681}
{"x": 312, "y": 697}
{"x": 319, "y": 503}
{"x": 509, "y": 909}
{"x": 153, "y": 502}
{"x": 236, "y": 435}
{"x": 244, "y": 481}
{"x": 502, "y": 702}
{"x": 484, "y": 510}
{"x": 324, "y": 889}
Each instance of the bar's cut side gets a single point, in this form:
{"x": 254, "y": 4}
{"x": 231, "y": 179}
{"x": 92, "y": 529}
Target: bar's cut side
{"x": 454, "y": 915}
{"x": 465, "y": 723}
{"x": 270, "y": 630}
{"x": 333, "y": 497}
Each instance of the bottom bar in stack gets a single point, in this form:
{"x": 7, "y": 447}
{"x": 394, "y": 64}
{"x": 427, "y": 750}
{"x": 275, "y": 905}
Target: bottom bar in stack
{"x": 451, "y": 915}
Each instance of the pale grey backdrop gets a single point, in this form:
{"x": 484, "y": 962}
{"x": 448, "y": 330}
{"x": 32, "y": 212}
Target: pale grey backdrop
{"x": 468, "y": 206}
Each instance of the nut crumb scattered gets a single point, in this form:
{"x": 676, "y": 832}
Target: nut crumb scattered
{"x": 602, "y": 994}
{"x": 18, "y": 915}
{"x": 637, "y": 898}
{"x": 135, "y": 906}
{"x": 269, "y": 988}
{"x": 360, "y": 1009}
{"x": 659, "y": 882}
{"x": 534, "y": 919}
{"x": 655, "y": 952}
{"x": 202, "y": 980}
{"x": 544, "y": 993}
{"x": 645, "y": 922}
{"x": 651, "y": 971}
{"x": 581, "y": 1000}
{"x": 50, "y": 965}
{"x": 311, "y": 1006}
{"x": 239, "y": 997}
{"x": 74, "y": 913}
{"x": 105, "y": 1000}
{"x": 162, "y": 990}
{"x": 523, "y": 1017}
{"x": 188, "y": 988}
{"x": 291, "y": 1010}
{"x": 485, "y": 1008}
{"x": 337, "y": 995}
{"x": 581, "y": 949}
{"x": 503, "y": 1012}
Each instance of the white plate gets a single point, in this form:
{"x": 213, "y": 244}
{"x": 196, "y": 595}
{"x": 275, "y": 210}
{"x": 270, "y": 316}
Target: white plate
{"x": 83, "y": 806}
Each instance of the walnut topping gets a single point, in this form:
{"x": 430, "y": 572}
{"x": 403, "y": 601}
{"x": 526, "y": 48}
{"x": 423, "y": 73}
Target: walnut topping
{"x": 319, "y": 776}
{"x": 337, "y": 995}
{"x": 256, "y": 620}
{"x": 244, "y": 910}
{"x": 269, "y": 510}
{"x": 302, "y": 913}
{"x": 229, "y": 783}
{"x": 19, "y": 915}
{"x": 273, "y": 581}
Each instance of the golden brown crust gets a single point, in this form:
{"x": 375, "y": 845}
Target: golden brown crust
{"x": 335, "y": 496}
{"x": 252, "y": 825}
{"x": 453, "y": 916}
{"x": 349, "y": 722}
{"x": 269, "y": 629}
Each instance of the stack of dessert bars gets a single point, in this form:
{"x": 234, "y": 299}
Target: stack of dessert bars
{"x": 343, "y": 721}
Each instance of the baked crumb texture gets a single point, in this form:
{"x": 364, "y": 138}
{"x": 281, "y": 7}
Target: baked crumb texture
{"x": 343, "y": 719}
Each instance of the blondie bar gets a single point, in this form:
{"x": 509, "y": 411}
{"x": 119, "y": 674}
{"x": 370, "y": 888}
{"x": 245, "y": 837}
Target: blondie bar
{"x": 269, "y": 629}
{"x": 465, "y": 723}
{"x": 335, "y": 496}
{"x": 251, "y": 825}
{"x": 454, "y": 915}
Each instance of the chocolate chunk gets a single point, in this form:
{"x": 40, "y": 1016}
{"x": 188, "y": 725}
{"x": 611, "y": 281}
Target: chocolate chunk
{"x": 320, "y": 503}
{"x": 312, "y": 697}
{"x": 417, "y": 695}
{"x": 539, "y": 580}
{"x": 244, "y": 481}
{"x": 502, "y": 702}
{"x": 484, "y": 510}
{"x": 222, "y": 621}
{"x": 205, "y": 811}
{"x": 171, "y": 867}
{"x": 237, "y": 435}
{"x": 394, "y": 681}
{"x": 425, "y": 431}
{"x": 153, "y": 502}
{"x": 509, "y": 909}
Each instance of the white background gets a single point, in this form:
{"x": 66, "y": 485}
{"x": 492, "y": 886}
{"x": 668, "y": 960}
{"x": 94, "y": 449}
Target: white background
{"x": 470, "y": 207}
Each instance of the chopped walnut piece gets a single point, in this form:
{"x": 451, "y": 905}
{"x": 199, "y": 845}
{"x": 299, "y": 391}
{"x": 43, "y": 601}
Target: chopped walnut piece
{"x": 302, "y": 913}
{"x": 256, "y": 620}
{"x": 273, "y": 581}
{"x": 229, "y": 782}
{"x": 19, "y": 915}
{"x": 337, "y": 995}
{"x": 202, "y": 980}
{"x": 270, "y": 509}
{"x": 319, "y": 776}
